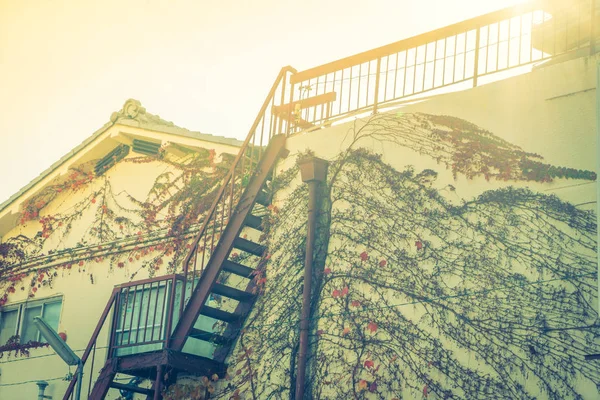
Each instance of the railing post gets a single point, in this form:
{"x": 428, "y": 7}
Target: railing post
{"x": 170, "y": 312}
{"x": 476, "y": 66}
{"x": 377, "y": 77}
{"x": 114, "y": 323}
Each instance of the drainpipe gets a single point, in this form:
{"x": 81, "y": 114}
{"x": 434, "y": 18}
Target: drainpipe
{"x": 42, "y": 388}
{"x": 313, "y": 171}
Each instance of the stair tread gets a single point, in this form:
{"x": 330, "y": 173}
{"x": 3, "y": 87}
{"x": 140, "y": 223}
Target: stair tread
{"x": 263, "y": 198}
{"x": 219, "y": 314}
{"x": 249, "y": 246}
{"x": 131, "y": 388}
{"x": 237, "y": 269}
{"x": 254, "y": 222}
{"x": 209, "y": 337}
{"x": 231, "y": 292}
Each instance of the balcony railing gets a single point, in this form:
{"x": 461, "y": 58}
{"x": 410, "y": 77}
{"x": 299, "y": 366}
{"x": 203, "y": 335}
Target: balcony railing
{"x": 143, "y": 315}
{"x": 456, "y": 57}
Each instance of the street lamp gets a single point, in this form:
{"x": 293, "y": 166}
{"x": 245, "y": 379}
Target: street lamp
{"x": 62, "y": 349}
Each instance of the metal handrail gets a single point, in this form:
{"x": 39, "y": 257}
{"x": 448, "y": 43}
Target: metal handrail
{"x": 233, "y": 183}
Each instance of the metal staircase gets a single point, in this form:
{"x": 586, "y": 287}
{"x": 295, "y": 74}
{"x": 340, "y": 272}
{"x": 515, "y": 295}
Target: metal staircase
{"x": 171, "y": 356}
{"x": 153, "y": 320}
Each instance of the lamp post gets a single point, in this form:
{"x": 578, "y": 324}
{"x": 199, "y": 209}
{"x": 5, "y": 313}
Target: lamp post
{"x": 62, "y": 349}
{"x": 313, "y": 171}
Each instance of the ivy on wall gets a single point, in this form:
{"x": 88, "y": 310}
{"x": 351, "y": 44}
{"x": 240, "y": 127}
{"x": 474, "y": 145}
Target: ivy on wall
{"x": 125, "y": 231}
{"x": 416, "y": 296}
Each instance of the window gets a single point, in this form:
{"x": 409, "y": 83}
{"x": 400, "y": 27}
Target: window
{"x": 18, "y": 319}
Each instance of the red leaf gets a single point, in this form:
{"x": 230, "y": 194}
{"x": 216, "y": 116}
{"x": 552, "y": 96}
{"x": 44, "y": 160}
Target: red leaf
{"x": 382, "y": 263}
{"x": 335, "y": 293}
{"x": 355, "y": 303}
{"x": 372, "y": 327}
{"x": 369, "y": 364}
{"x": 345, "y": 291}
{"x": 425, "y": 391}
{"x": 364, "y": 256}
{"x": 327, "y": 271}
{"x": 419, "y": 245}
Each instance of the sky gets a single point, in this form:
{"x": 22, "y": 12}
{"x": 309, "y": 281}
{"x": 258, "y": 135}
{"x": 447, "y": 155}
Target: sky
{"x": 206, "y": 65}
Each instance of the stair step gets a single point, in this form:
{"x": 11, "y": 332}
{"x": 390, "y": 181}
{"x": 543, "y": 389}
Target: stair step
{"x": 263, "y": 198}
{"x": 219, "y": 314}
{"x": 254, "y": 222}
{"x": 131, "y": 388}
{"x": 249, "y": 247}
{"x": 237, "y": 269}
{"x": 210, "y": 337}
{"x": 232, "y": 293}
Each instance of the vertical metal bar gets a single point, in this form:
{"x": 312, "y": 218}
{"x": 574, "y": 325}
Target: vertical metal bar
{"x": 424, "y": 69}
{"x": 465, "y": 57}
{"x": 283, "y": 86}
{"x": 375, "y": 100}
{"x": 415, "y": 71}
{"x": 137, "y": 333}
{"x": 396, "y": 74}
{"x": 368, "y": 83}
{"x": 520, "y": 37}
{"x": 359, "y": 79}
{"x": 155, "y": 309}
{"x": 444, "y": 62}
{"x": 289, "y": 124}
{"x": 498, "y": 47}
{"x": 162, "y": 313}
{"x": 531, "y": 36}
{"x": 509, "y": 40}
{"x": 434, "y": 61}
{"x": 387, "y": 69}
{"x": 341, "y": 92}
{"x": 487, "y": 50}
{"x": 454, "y": 60}
{"x": 124, "y": 317}
{"x": 405, "y": 64}
{"x": 323, "y": 105}
{"x": 132, "y": 314}
{"x": 170, "y": 312}
{"x": 350, "y": 89}
{"x": 113, "y": 326}
{"x": 92, "y": 368}
{"x": 148, "y": 312}
{"x": 158, "y": 383}
{"x": 476, "y": 62}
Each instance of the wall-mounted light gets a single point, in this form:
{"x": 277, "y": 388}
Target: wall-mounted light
{"x": 62, "y": 349}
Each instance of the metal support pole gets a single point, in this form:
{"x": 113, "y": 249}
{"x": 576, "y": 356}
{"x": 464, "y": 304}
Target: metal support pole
{"x": 79, "y": 380}
{"x": 476, "y": 62}
{"x": 158, "y": 383}
{"x": 314, "y": 171}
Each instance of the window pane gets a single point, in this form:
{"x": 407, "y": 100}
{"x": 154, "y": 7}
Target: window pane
{"x": 29, "y": 329}
{"x": 52, "y": 314}
{"x": 8, "y": 325}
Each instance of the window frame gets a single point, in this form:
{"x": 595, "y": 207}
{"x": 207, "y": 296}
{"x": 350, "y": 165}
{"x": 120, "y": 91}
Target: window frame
{"x": 22, "y": 307}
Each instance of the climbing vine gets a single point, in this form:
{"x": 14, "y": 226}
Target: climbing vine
{"x": 125, "y": 231}
{"x": 416, "y": 296}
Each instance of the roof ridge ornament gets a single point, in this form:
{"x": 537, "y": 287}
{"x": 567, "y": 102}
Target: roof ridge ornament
{"x": 131, "y": 109}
